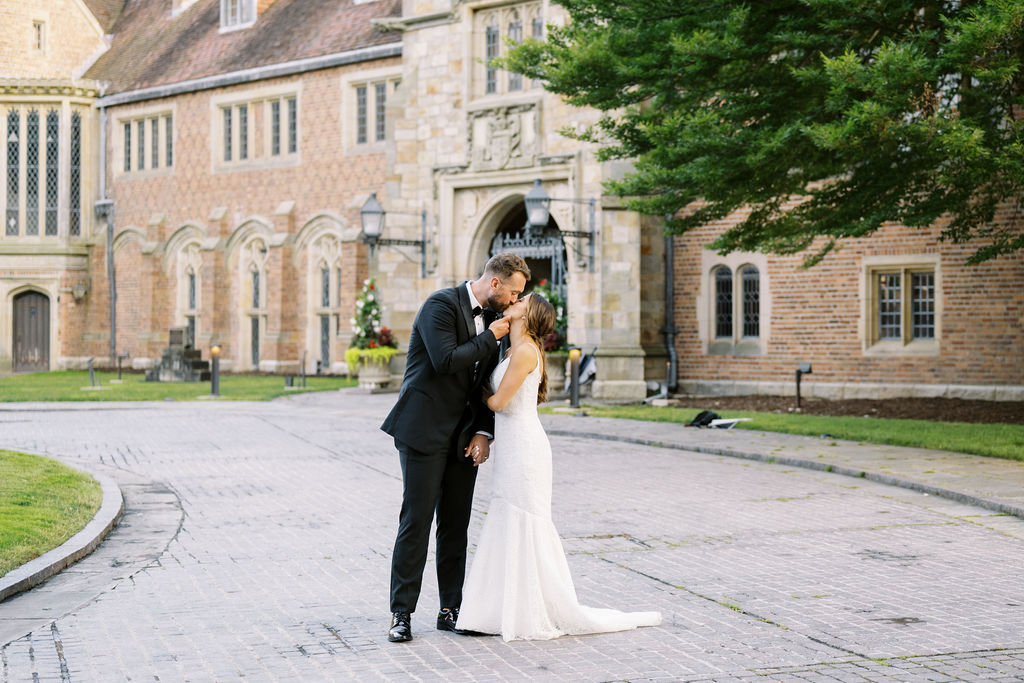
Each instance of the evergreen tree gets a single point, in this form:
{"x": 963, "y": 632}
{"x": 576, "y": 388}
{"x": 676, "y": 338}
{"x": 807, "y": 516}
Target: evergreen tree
{"x": 827, "y": 118}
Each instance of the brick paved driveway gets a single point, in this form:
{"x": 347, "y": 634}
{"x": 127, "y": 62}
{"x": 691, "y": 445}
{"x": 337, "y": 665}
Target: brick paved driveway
{"x": 257, "y": 538}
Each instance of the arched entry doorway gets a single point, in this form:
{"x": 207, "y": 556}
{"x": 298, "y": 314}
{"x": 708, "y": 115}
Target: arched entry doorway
{"x": 31, "y": 332}
{"x": 543, "y": 251}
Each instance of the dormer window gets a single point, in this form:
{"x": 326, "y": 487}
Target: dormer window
{"x": 237, "y": 14}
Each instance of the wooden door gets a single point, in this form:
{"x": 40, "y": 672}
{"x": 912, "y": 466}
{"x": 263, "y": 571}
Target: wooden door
{"x": 31, "y": 332}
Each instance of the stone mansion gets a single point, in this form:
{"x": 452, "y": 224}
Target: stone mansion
{"x": 203, "y": 163}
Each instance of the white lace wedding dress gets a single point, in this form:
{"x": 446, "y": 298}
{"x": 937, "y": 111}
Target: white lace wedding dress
{"x": 519, "y": 584}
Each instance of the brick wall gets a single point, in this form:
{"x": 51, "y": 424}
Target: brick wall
{"x": 817, "y": 315}
{"x": 280, "y": 200}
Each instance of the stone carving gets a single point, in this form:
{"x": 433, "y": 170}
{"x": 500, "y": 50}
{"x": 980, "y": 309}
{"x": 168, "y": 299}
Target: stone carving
{"x": 502, "y": 138}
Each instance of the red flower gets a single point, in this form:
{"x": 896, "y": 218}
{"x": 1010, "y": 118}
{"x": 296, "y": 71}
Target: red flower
{"x": 371, "y": 286}
{"x": 542, "y": 282}
{"x": 373, "y": 345}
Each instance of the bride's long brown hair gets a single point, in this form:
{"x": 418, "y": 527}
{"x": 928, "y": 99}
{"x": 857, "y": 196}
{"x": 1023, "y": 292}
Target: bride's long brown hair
{"x": 540, "y": 322}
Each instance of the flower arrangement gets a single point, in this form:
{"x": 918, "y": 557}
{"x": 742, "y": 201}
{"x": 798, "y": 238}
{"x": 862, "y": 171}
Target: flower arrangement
{"x": 557, "y": 340}
{"x": 372, "y": 342}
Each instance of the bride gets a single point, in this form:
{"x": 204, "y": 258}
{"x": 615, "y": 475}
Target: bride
{"x": 519, "y": 585}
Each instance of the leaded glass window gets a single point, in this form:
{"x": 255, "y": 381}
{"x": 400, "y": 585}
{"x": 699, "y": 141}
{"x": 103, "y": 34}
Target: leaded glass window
{"x": 141, "y": 143}
{"x": 52, "y": 170}
{"x": 361, "y": 114}
{"x": 723, "y": 303}
{"x": 169, "y": 133}
{"x": 890, "y": 313}
{"x": 11, "y": 220}
{"x": 275, "y": 128}
{"x": 227, "y": 133}
{"x": 254, "y": 334}
{"x": 515, "y": 35}
{"x": 751, "y": 282}
{"x": 190, "y": 321}
{"x": 243, "y": 132}
{"x": 325, "y": 287}
{"x": 325, "y": 341}
{"x": 923, "y": 305}
{"x": 32, "y": 174}
{"x": 491, "y": 53}
{"x": 382, "y": 89}
{"x": 75, "y": 191}
{"x": 293, "y": 125}
{"x": 127, "y": 147}
{"x": 154, "y": 134}
{"x": 255, "y": 289}
{"x": 192, "y": 291}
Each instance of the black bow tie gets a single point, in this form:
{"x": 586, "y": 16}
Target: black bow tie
{"x": 477, "y": 311}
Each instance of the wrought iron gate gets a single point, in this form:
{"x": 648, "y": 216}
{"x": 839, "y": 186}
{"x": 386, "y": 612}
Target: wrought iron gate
{"x": 539, "y": 247}
{"x": 31, "y": 332}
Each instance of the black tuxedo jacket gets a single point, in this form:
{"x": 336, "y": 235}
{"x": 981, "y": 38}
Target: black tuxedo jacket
{"x": 446, "y": 364}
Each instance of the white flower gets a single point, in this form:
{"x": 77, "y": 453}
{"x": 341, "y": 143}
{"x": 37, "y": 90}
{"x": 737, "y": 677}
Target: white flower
{"x": 370, "y": 297}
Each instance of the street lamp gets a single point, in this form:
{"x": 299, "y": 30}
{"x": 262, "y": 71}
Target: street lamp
{"x": 215, "y": 370}
{"x": 372, "y": 216}
{"x": 538, "y": 211}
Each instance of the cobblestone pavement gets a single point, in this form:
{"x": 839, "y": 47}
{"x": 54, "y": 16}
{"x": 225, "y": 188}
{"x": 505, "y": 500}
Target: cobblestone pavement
{"x": 257, "y": 537}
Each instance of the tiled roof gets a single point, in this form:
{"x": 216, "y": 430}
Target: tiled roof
{"x": 105, "y": 11}
{"x": 150, "y": 48}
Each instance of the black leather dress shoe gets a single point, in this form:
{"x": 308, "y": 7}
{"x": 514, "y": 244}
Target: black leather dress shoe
{"x": 401, "y": 627}
{"x": 446, "y": 620}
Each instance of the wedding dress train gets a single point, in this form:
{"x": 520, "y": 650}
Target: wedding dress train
{"x": 519, "y": 583}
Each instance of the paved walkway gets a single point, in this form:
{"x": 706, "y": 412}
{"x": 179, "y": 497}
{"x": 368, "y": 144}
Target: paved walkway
{"x": 256, "y": 538}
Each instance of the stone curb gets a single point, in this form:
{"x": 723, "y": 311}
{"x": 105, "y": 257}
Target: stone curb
{"x": 36, "y": 571}
{"x": 958, "y": 496}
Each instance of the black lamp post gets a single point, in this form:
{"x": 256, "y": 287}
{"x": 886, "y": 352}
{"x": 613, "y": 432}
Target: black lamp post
{"x": 802, "y": 369}
{"x": 538, "y": 211}
{"x": 372, "y": 216}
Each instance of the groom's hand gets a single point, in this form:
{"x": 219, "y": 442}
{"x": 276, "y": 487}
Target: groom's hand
{"x": 500, "y": 327}
{"x": 479, "y": 449}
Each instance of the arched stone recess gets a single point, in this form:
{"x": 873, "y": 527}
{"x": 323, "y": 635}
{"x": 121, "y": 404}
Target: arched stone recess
{"x": 127, "y": 236}
{"x": 326, "y": 223}
{"x": 186, "y": 234}
{"x": 491, "y": 217}
{"x": 253, "y": 228}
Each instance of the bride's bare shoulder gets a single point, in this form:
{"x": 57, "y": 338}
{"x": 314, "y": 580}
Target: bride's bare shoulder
{"x": 525, "y": 354}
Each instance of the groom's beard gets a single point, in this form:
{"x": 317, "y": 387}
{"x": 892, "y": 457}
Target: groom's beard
{"x": 495, "y": 305}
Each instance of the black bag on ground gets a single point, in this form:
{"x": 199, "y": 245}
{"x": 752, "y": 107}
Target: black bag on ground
{"x": 703, "y": 419}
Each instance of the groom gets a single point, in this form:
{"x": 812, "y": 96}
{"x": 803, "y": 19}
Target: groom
{"x": 441, "y": 428}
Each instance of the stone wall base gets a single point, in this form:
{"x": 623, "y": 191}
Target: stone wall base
{"x": 852, "y": 390}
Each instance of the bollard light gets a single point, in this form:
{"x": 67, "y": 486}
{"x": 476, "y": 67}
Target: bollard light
{"x": 801, "y": 369}
{"x": 574, "y": 376}
{"x": 215, "y": 370}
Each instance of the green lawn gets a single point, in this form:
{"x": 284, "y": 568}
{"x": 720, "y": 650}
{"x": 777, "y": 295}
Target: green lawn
{"x": 996, "y": 440}
{"x": 68, "y": 386}
{"x": 42, "y": 504}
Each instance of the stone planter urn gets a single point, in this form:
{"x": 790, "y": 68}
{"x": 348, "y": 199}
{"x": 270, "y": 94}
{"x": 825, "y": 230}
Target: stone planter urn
{"x": 372, "y": 366}
{"x": 555, "y": 362}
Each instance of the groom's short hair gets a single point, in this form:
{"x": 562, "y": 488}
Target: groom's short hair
{"x": 504, "y": 265}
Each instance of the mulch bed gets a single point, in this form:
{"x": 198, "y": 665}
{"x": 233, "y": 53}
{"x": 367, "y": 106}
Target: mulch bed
{"x": 939, "y": 409}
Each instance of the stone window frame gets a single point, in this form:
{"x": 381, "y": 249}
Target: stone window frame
{"x": 253, "y": 259}
{"x": 872, "y": 267}
{"x": 325, "y": 254}
{"x": 498, "y": 22}
{"x": 40, "y": 41}
{"x": 236, "y": 15}
{"x": 189, "y": 262}
{"x": 129, "y": 149}
{"x": 736, "y": 343}
{"x": 260, "y": 143}
{"x": 390, "y": 78}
